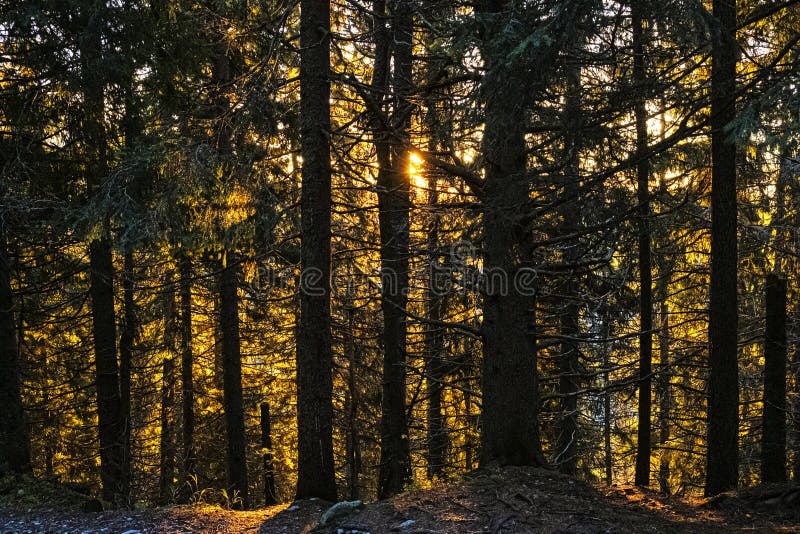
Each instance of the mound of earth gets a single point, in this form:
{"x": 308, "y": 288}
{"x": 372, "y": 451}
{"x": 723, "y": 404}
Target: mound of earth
{"x": 509, "y": 500}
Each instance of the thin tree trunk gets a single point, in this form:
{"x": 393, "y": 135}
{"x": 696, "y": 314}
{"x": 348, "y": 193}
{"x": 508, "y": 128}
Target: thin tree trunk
{"x": 270, "y": 498}
{"x": 435, "y": 355}
{"x": 469, "y": 460}
{"x": 665, "y": 397}
{"x": 315, "y": 475}
{"x": 568, "y": 361}
{"x": 393, "y": 200}
{"x": 569, "y": 371}
{"x": 166, "y": 481}
{"x": 166, "y": 484}
{"x": 187, "y": 381}
{"x": 233, "y": 402}
{"x": 722, "y": 469}
{"x": 353, "y": 437}
{"x": 126, "y": 341}
{"x": 795, "y": 418}
{"x": 608, "y": 459}
{"x": 436, "y": 439}
{"x": 773, "y": 429}
{"x": 643, "y": 444}
{"x": 15, "y": 453}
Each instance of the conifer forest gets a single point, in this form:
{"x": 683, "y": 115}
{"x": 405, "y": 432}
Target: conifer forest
{"x": 386, "y": 265}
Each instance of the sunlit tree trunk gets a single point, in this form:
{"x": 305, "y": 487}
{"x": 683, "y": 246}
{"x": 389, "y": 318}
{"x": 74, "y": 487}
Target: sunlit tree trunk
{"x": 315, "y": 475}
{"x": 722, "y": 459}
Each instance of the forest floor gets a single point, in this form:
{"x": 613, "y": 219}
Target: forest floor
{"x": 510, "y": 500}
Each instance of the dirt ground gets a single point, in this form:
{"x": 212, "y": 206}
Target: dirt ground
{"x": 511, "y": 500}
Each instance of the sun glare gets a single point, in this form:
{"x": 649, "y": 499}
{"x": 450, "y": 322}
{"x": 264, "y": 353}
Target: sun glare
{"x": 415, "y": 171}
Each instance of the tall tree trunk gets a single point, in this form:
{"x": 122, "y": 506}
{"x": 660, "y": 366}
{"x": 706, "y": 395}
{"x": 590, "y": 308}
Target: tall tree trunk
{"x": 166, "y": 486}
{"x": 393, "y": 202}
{"x": 315, "y": 474}
{"x": 436, "y": 438}
{"x": 509, "y": 418}
{"x": 187, "y": 380}
{"x": 773, "y": 429}
{"x": 270, "y": 498}
{"x": 722, "y": 469}
{"x": 643, "y": 445}
{"x": 111, "y": 427}
{"x": 233, "y": 402}
{"x": 608, "y": 459}
{"x": 15, "y": 453}
{"x": 166, "y": 480}
{"x": 665, "y": 396}
{"x": 126, "y": 340}
{"x": 435, "y": 356}
{"x": 469, "y": 461}
{"x": 352, "y": 402}
{"x": 568, "y": 361}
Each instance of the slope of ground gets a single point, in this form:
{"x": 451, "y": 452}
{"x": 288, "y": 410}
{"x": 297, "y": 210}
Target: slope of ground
{"x": 511, "y": 500}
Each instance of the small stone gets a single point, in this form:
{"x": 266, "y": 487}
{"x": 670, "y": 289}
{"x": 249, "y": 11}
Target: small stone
{"x": 339, "y": 509}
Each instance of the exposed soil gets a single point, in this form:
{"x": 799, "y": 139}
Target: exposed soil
{"x": 511, "y": 500}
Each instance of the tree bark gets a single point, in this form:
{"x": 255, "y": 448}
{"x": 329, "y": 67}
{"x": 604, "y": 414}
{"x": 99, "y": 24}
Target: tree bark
{"x": 665, "y": 397}
{"x": 773, "y": 429}
{"x": 436, "y": 438}
{"x": 568, "y": 361}
{"x": 393, "y": 208}
{"x": 315, "y": 476}
{"x": 15, "y": 453}
{"x": 353, "y": 403}
{"x": 722, "y": 459}
{"x": 166, "y": 480}
{"x": 187, "y": 380}
{"x": 270, "y": 497}
{"x": 126, "y": 340}
{"x": 509, "y": 418}
{"x": 166, "y": 486}
{"x": 643, "y": 444}
{"x": 608, "y": 459}
{"x": 233, "y": 402}
{"x": 111, "y": 427}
